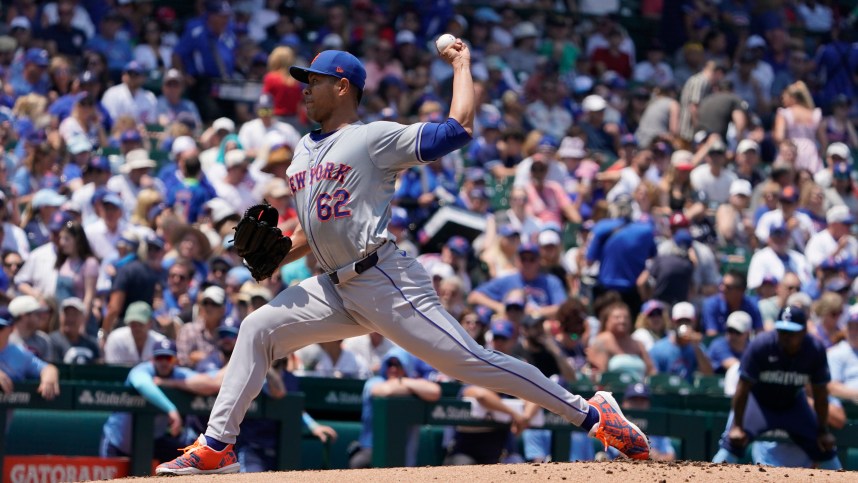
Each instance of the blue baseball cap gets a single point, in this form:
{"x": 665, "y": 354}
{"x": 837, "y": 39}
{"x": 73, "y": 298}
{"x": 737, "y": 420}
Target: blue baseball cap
{"x": 636, "y": 390}
{"x": 229, "y": 328}
{"x": 87, "y": 77}
{"x": 37, "y": 56}
{"x": 791, "y": 319}
{"x": 528, "y": 248}
{"x": 98, "y": 163}
{"x": 130, "y": 136}
{"x": 503, "y": 328}
{"x": 651, "y": 306}
{"x": 58, "y": 221}
{"x": 779, "y": 230}
{"x": 548, "y": 143}
{"x": 508, "y": 230}
{"x": 165, "y": 347}
{"x": 218, "y": 7}
{"x": 134, "y": 67}
{"x": 841, "y": 171}
{"x": 459, "y": 245}
{"x": 628, "y": 140}
{"x": 336, "y": 63}
{"x": 155, "y": 241}
{"x": 683, "y": 238}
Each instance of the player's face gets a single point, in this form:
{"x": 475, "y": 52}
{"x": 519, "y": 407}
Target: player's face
{"x": 790, "y": 342}
{"x": 320, "y": 96}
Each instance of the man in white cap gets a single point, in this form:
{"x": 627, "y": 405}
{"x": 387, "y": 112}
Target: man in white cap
{"x": 747, "y": 160}
{"x": 252, "y": 133}
{"x": 199, "y": 338}
{"x": 135, "y": 176}
{"x": 732, "y": 224}
{"x": 726, "y": 350}
{"x": 601, "y": 135}
{"x": 681, "y": 353}
{"x": 27, "y": 313}
{"x": 835, "y": 242}
{"x": 237, "y": 184}
{"x": 19, "y": 364}
{"x": 70, "y": 345}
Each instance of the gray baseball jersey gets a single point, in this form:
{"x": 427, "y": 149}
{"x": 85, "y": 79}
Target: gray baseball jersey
{"x": 343, "y": 185}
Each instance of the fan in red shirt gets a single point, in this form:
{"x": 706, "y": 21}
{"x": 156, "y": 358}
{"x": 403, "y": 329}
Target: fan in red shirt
{"x": 285, "y": 90}
{"x": 612, "y": 58}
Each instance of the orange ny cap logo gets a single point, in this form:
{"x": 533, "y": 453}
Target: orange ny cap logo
{"x": 340, "y": 70}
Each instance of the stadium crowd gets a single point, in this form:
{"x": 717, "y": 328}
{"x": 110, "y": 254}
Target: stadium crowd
{"x": 648, "y": 200}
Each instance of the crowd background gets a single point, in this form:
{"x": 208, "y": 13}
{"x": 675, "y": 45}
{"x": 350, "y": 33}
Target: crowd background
{"x": 653, "y": 180}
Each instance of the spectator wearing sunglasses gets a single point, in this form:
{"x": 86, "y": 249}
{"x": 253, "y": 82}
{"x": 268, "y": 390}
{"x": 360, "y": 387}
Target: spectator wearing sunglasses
{"x": 198, "y": 339}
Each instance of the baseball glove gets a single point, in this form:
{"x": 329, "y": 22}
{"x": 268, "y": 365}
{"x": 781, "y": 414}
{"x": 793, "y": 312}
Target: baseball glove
{"x": 259, "y": 242}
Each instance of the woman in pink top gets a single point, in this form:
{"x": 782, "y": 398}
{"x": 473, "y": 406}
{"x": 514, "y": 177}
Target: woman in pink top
{"x": 77, "y": 267}
{"x": 547, "y": 199}
{"x": 799, "y": 121}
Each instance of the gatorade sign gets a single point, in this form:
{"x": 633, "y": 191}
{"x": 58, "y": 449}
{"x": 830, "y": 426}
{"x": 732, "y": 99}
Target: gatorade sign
{"x": 55, "y": 469}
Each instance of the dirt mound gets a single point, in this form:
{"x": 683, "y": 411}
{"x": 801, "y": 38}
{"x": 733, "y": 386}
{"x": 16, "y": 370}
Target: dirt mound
{"x": 590, "y": 472}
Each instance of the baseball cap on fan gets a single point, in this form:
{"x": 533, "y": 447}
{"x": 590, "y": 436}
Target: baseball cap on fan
{"x": 335, "y": 63}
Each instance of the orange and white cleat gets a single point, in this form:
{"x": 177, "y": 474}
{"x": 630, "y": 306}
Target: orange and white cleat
{"x": 201, "y": 459}
{"x": 617, "y": 431}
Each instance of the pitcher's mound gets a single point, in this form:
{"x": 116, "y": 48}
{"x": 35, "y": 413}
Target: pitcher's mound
{"x": 589, "y": 472}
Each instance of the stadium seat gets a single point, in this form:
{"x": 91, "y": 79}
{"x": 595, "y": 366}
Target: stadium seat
{"x": 617, "y": 381}
{"x": 669, "y": 383}
{"x": 713, "y": 385}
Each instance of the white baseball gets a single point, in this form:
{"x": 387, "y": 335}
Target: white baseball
{"x": 444, "y": 41}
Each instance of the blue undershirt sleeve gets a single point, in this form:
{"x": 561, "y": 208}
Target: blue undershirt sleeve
{"x": 439, "y": 139}
{"x": 141, "y": 380}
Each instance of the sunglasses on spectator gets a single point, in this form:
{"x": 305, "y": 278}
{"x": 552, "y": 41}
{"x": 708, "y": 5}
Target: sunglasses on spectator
{"x": 530, "y": 259}
{"x": 734, "y": 287}
{"x": 164, "y": 358}
{"x": 210, "y": 303}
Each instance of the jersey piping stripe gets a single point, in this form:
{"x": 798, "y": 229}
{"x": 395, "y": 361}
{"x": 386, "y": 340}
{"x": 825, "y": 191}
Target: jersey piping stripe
{"x": 419, "y": 139}
{"x": 424, "y": 316}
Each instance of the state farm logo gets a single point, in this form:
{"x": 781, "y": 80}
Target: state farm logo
{"x": 105, "y": 398}
{"x": 15, "y": 398}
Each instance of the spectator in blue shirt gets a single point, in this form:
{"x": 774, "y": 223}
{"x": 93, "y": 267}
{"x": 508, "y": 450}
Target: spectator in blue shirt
{"x": 681, "y": 353}
{"x": 423, "y": 189}
{"x": 170, "y": 102}
{"x": 397, "y": 377}
{"x": 543, "y": 292}
{"x": 18, "y": 364}
{"x": 117, "y": 435}
{"x": 206, "y": 51}
{"x": 726, "y": 350}
{"x": 33, "y": 78}
{"x": 838, "y": 62}
{"x": 732, "y": 298}
{"x": 112, "y": 44}
{"x": 622, "y": 248}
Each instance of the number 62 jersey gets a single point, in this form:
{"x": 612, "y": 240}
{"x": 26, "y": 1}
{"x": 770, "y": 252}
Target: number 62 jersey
{"x": 343, "y": 183}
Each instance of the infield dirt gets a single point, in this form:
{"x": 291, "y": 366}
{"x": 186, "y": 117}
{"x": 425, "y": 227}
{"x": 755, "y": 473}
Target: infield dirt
{"x": 589, "y": 472}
